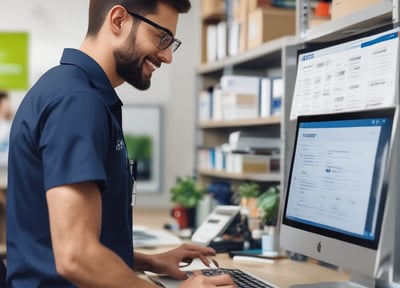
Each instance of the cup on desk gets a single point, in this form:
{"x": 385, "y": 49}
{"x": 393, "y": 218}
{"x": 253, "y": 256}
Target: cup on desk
{"x": 179, "y": 213}
{"x": 185, "y": 217}
{"x": 269, "y": 241}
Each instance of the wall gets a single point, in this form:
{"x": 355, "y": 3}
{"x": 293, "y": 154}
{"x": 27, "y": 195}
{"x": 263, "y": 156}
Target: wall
{"x": 53, "y": 25}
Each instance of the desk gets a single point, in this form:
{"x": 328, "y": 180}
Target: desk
{"x": 283, "y": 272}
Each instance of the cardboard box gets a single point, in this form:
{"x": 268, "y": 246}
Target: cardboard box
{"x": 255, "y": 4}
{"x": 268, "y": 24}
{"x": 212, "y": 7}
{"x": 236, "y": 10}
{"x": 241, "y": 13}
{"x": 342, "y": 8}
{"x": 239, "y": 106}
{"x": 250, "y": 164}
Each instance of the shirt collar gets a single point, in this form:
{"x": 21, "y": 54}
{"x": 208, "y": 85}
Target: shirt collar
{"x": 96, "y": 74}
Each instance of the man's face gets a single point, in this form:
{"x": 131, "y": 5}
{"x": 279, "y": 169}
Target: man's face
{"x": 140, "y": 56}
{"x": 129, "y": 64}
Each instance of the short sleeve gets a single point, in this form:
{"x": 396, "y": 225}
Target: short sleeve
{"x": 74, "y": 140}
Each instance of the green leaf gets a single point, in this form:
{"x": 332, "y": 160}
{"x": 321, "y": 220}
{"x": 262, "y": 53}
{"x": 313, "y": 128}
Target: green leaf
{"x": 268, "y": 202}
{"x": 186, "y": 192}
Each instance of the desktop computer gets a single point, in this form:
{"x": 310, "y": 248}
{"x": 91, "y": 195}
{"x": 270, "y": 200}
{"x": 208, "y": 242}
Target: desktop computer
{"x": 340, "y": 203}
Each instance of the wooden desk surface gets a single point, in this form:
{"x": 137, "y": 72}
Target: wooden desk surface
{"x": 152, "y": 218}
{"x": 282, "y": 272}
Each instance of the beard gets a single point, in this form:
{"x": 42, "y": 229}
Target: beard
{"x": 129, "y": 65}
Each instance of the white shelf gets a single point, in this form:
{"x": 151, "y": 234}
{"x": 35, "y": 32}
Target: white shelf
{"x": 359, "y": 21}
{"x": 273, "y": 120}
{"x": 270, "y": 177}
{"x": 263, "y": 55}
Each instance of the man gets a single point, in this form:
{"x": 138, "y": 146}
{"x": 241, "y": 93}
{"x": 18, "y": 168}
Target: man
{"x": 69, "y": 195}
{"x": 6, "y": 115}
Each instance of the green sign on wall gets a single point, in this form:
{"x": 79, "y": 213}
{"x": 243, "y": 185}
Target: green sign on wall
{"x": 13, "y": 61}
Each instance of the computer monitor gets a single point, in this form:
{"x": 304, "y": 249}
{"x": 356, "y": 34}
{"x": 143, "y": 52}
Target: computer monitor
{"x": 350, "y": 74}
{"x": 336, "y": 201}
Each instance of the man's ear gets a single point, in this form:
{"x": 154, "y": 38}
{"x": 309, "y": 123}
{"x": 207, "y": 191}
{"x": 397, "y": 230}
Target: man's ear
{"x": 117, "y": 18}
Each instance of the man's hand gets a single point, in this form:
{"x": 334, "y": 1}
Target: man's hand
{"x": 198, "y": 280}
{"x": 168, "y": 262}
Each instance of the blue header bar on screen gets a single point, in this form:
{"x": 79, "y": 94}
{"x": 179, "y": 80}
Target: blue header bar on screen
{"x": 380, "y": 39}
{"x": 345, "y": 123}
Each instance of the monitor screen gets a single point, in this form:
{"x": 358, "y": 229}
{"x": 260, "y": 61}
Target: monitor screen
{"x": 337, "y": 187}
{"x": 351, "y": 74}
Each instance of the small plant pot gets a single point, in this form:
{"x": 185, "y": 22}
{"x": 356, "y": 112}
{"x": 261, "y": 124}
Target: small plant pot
{"x": 185, "y": 217}
{"x": 179, "y": 213}
{"x": 269, "y": 241}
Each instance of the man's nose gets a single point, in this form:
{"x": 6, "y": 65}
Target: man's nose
{"x": 166, "y": 55}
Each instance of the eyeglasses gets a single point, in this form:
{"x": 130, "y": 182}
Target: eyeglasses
{"x": 167, "y": 39}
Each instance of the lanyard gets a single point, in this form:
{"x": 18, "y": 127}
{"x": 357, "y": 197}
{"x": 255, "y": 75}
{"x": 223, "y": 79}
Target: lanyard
{"x": 132, "y": 172}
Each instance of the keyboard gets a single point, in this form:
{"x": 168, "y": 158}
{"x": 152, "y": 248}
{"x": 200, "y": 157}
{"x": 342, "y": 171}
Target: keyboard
{"x": 241, "y": 278}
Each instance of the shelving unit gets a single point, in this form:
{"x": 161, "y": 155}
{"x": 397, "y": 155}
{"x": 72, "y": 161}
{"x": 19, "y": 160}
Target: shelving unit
{"x": 278, "y": 57}
{"x": 268, "y": 60}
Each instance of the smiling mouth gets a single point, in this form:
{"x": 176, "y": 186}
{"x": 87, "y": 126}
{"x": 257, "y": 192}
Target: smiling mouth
{"x": 151, "y": 64}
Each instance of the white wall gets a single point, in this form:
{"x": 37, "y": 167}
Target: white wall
{"x": 54, "y": 25}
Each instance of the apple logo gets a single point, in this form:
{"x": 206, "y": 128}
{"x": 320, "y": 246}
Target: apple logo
{"x": 319, "y": 247}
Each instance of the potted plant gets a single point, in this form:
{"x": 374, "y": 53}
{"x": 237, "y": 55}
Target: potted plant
{"x": 186, "y": 195}
{"x": 268, "y": 204}
{"x": 248, "y": 190}
{"x": 248, "y": 193}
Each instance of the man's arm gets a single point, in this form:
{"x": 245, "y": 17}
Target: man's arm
{"x": 75, "y": 223}
{"x": 169, "y": 261}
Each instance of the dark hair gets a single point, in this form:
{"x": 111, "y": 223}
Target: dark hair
{"x": 98, "y": 9}
{"x": 3, "y": 95}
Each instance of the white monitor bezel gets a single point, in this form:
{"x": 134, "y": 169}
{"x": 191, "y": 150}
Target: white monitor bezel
{"x": 323, "y": 246}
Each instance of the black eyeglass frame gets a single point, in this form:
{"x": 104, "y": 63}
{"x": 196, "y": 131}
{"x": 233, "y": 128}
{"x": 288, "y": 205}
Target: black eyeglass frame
{"x": 175, "y": 43}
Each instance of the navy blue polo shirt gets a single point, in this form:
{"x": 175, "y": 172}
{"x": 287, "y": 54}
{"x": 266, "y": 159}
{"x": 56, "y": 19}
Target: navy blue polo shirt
{"x": 66, "y": 130}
